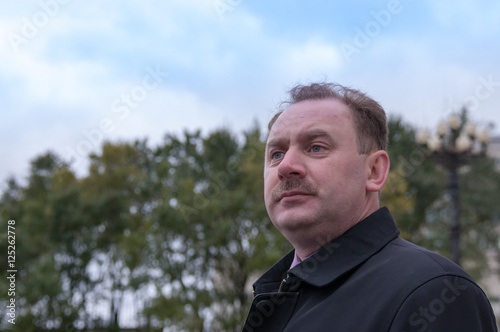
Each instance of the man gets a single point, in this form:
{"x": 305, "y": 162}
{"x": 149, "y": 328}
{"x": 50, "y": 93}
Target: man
{"x": 325, "y": 166}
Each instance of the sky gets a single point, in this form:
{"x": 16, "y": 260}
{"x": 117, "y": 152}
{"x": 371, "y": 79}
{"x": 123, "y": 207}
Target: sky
{"x": 74, "y": 74}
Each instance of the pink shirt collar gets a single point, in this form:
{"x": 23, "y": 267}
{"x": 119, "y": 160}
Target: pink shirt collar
{"x": 296, "y": 260}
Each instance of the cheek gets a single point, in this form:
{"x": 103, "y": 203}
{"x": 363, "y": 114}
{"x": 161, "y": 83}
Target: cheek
{"x": 344, "y": 175}
{"x": 354, "y": 177}
{"x": 269, "y": 184}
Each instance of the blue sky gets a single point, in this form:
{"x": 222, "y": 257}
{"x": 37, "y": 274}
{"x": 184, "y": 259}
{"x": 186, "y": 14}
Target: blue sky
{"x": 76, "y": 73}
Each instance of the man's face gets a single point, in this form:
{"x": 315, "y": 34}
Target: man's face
{"x": 314, "y": 177}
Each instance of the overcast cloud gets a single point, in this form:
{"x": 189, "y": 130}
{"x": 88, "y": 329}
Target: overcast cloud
{"x": 76, "y": 73}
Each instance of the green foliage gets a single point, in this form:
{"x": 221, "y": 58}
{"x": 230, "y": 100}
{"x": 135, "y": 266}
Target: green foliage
{"x": 213, "y": 216}
{"x": 417, "y": 195}
{"x": 182, "y": 228}
{"x": 414, "y": 182}
{"x": 185, "y": 219}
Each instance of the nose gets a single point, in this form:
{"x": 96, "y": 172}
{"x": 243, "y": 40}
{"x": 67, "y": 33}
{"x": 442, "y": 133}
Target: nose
{"x": 292, "y": 165}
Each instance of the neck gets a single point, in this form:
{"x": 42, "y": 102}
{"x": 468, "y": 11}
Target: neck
{"x": 309, "y": 241}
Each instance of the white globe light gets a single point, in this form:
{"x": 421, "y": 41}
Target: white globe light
{"x": 423, "y": 136}
{"x": 463, "y": 143}
{"x": 454, "y": 121}
{"x": 442, "y": 128}
{"x": 484, "y": 136}
{"x": 434, "y": 143}
{"x": 470, "y": 128}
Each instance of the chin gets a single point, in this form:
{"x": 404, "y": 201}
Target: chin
{"x": 286, "y": 223}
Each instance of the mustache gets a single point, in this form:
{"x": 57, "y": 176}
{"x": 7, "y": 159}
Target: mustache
{"x": 293, "y": 184}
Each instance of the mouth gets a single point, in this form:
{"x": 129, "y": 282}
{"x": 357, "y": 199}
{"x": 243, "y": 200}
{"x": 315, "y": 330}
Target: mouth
{"x": 290, "y": 195}
{"x": 291, "y": 189}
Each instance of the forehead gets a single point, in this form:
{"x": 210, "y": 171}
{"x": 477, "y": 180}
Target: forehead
{"x": 329, "y": 114}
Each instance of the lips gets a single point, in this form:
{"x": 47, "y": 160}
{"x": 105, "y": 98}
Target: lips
{"x": 294, "y": 193}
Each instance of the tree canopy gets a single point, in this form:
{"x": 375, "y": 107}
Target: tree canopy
{"x": 181, "y": 229}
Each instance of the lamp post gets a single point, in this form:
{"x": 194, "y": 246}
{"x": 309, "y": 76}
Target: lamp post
{"x": 455, "y": 142}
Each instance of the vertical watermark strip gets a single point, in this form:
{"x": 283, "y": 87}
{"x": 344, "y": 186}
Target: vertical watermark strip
{"x": 11, "y": 271}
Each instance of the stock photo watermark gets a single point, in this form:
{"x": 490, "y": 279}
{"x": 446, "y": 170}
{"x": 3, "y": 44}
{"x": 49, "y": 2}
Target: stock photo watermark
{"x": 219, "y": 183}
{"x": 364, "y": 36}
{"x": 431, "y": 311}
{"x": 121, "y": 107}
{"x": 266, "y": 307}
{"x": 263, "y": 309}
{"x": 11, "y": 271}
{"x": 482, "y": 92}
{"x": 311, "y": 264}
{"x": 222, "y": 7}
{"x": 31, "y": 26}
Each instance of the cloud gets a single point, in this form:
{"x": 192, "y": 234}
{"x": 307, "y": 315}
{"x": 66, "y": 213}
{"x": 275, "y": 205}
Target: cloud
{"x": 479, "y": 18}
{"x": 227, "y": 63}
{"x": 314, "y": 56}
{"x": 64, "y": 84}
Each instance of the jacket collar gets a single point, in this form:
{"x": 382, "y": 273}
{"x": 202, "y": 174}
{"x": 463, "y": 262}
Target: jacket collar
{"x": 337, "y": 257}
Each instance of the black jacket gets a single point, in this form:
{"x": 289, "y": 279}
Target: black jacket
{"x": 369, "y": 280}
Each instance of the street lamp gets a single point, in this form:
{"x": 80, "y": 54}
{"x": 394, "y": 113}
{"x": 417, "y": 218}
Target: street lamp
{"x": 454, "y": 144}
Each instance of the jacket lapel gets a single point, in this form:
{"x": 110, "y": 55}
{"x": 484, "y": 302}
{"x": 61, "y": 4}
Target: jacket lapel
{"x": 348, "y": 251}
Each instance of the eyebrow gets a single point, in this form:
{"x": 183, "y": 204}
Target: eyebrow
{"x": 305, "y": 136}
{"x": 276, "y": 142}
{"x": 315, "y": 133}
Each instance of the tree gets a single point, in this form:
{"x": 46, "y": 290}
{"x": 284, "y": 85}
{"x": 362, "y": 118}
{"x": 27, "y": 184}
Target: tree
{"x": 43, "y": 292}
{"x": 414, "y": 183}
{"x": 423, "y": 214}
{"x": 185, "y": 218}
{"x": 182, "y": 228}
{"x": 215, "y": 222}
{"x": 119, "y": 199}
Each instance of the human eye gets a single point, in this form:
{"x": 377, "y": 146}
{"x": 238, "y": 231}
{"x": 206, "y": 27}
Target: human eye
{"x": 317, "y": 148}
{"x": 276, "y": 155}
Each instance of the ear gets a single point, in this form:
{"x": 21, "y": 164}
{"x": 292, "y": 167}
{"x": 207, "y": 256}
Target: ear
{"x": 377, "y": 167}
